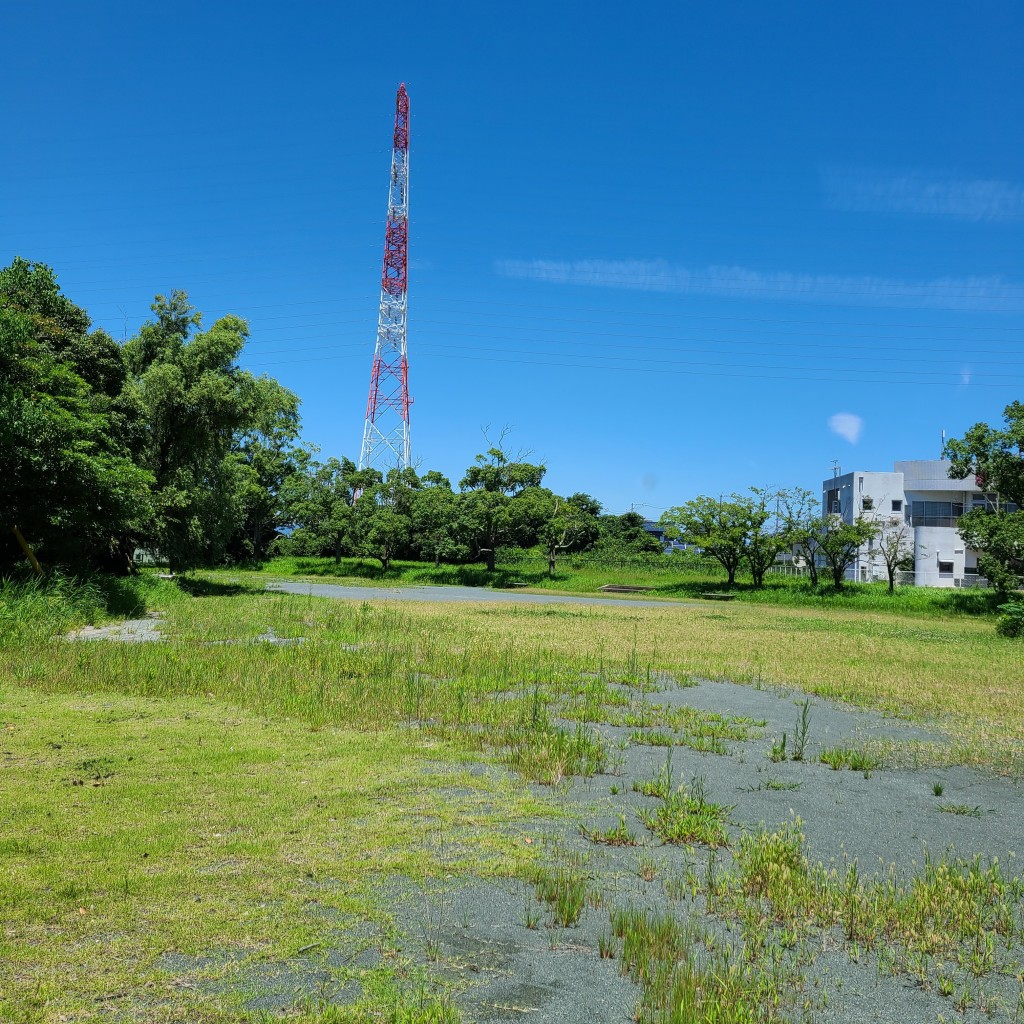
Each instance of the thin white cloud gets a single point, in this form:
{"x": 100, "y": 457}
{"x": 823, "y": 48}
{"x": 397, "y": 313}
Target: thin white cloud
{"x": 846, "y": 425}
{"x": 867, "y": 190}
{"x": 969, "y": 293}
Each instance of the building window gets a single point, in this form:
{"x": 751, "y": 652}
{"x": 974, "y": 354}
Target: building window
{"x": 867, "y": 503}
{"x": 936, "y": 513}
{"x": 897, "y": 504}
{"x": 945, "y": 568}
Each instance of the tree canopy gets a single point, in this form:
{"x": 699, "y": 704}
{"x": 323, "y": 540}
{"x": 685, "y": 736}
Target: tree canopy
{"x": 995, "y": 458}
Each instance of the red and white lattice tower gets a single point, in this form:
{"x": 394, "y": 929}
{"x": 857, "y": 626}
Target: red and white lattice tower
{"x": 386, "y": 439}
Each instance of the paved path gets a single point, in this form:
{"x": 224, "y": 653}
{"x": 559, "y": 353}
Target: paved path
{"x": 454, "y": 594}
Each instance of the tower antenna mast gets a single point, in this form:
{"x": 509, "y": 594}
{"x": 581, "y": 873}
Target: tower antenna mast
{"x": 386, "y": 439}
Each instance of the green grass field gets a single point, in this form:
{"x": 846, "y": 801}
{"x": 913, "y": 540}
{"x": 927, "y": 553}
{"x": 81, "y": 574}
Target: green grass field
{"x": 669, "y": 578}
{"x": 235, "y": 801}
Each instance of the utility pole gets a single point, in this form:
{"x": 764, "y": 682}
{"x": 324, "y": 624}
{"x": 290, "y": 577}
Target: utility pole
{"x": 386, "y": 439}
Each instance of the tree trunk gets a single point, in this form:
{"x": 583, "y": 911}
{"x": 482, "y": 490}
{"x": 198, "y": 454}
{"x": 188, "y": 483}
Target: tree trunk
{"x": 337, "y": 549}
{"x": 551, "y": 563}
{"x": 488, "y": 554}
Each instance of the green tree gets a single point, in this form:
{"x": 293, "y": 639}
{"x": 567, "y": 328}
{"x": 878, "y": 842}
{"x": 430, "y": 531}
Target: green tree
{"x": 384, "y": 515}
{"x": 263, "y": 468}
{"x": 996, "y": 460}
{"x": 624, "y": 535}
{"x": 998, "y": 537}
{"x": 66, "y": 478}
{"x": 320, "y": 501}
{"x": 719, "y": 528}
{"x": 767, "y": 533}
{"x": 437, "y": 529}
{"x": 838, "y": 543}
{"x": 497, "y": 505}
{"x": 567, "y": 525}
{"x": 197, "y": 404}
{"x": 800, "y": 511}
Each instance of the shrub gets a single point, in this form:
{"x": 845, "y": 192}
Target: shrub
{"x": 1011, "y": 622}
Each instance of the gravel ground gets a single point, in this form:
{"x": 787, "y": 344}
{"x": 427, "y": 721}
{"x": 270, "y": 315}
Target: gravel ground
{"x": 481, "y": 940}
{"x": 505, "y": 961}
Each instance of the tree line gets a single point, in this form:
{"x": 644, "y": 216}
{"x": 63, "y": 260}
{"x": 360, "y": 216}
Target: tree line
{"x": 163, "y": 442}
{"x": 753, "y": 529}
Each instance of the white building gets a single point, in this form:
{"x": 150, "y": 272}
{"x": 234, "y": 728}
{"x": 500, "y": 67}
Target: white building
{"x": 920, "y": 499}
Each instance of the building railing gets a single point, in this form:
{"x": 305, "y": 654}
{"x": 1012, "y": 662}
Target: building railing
{"x": 932, "y": 520}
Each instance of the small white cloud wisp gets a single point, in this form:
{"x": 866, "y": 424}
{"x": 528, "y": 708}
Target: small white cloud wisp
{"x": 970, "y": 293}
{"x": 846, "y": 425}
{"x": 923, "y": 193}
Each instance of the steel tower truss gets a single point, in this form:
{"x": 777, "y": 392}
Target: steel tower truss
{"x": 386, "y": 438}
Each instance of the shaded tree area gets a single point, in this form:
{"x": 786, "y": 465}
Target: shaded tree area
{"x": 163, "y": 442}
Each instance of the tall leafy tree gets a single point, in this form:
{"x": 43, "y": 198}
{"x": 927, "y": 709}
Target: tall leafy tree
{"x": 996, "y": 460}
{"x": 196, "y": 403}
{"x": 66, "y": 477}
{"x": 320, "y": 501}
{"x": 266, "y": 459}
{"x": 384, "y": 515}
{"x": 767, "y": 535}
{"x": 624, "y": 535}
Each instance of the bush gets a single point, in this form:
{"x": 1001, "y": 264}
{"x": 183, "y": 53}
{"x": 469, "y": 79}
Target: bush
{"x": 1011, "y": 622}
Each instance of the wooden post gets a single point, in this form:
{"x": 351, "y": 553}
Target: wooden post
{"x": 29, "y": 554}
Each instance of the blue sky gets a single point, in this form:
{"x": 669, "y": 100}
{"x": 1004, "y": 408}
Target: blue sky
{"x": 678, "y": 248}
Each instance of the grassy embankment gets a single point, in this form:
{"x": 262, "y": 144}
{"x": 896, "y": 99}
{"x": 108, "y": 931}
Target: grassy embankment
{"x": 241, "y": 802}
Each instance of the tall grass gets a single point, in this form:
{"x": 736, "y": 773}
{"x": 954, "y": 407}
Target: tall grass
{"x": 36, "y": 608}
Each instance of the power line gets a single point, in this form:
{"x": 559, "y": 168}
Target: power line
{"x": 1004, "y": 382}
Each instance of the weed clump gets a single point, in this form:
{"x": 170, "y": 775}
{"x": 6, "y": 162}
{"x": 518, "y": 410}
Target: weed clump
{"x": 687, "y": 979}
{"x": 564, "y": 890}
{"x": 617, "y": 835}
{"x": 686, "y": 817}
{"x": 856, "y": 760}
{"x": 548, "y": 753}
{"x": 1011, "y": 620}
